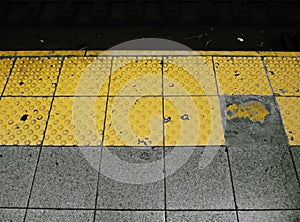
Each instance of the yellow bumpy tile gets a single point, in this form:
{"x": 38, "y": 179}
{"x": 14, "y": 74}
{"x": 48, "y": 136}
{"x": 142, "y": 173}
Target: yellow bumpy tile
{"x": 284, "y": 74}
{"x": 5, "y": 67}
{"x": 33, "y": 76}
{"x": 136, "y": 76}
{"x": 23, "y": 120}
{"x": 241, "y": 75}
{"x": 76, "y": 121}
{"x": 191, "y": 121}
{"x": 290, "y": 112}
{"x": 134, "y": 121}
{"x": 190, "y": 75}
{"x": 84, "y": 76}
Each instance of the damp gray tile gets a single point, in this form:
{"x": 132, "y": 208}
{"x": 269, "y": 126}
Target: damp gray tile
{"x": 66, "y": 178}
{"x": 261, "y": 122}
{"x": 14, "y": 215}
{"x": 296, "y": 156}
{"x": 132, "y": 216}
{"x": 264, "y": 177}
{"x": 198, "y": 178}
{"x": 269, "y": 216}
{"x": 59, "y": 216}
{"x": 17, "y": 169}
{"x": 203, "y": 216}
{"x": 131, "y": 178}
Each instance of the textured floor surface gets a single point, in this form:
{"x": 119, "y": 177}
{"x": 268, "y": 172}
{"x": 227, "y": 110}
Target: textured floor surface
{"x": 149, "y": 136}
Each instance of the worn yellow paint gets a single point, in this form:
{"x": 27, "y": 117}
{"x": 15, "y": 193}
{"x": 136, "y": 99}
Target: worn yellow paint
{"x": 134, "y": 121}
{"x": 193, "y": 121}
{"x": 255, "y": 111}
{"x": 290, "y": 112}
{"x": 23, "y": 120}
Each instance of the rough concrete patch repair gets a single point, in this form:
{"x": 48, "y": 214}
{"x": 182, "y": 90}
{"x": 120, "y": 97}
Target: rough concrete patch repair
{"x": 255, "y": 111}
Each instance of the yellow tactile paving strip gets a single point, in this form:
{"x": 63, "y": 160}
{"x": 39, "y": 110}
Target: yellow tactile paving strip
{"x": 134, "y": 121}
{"x": 290, "y": 112}
{"x": 5, "y": 68}
{"x": 23, "y": 120}
{"x": 284, "y": 74}
{"x": 136, "y": 98}
{"x": 193, "y": 121}
{"x": 189, "y": 76}
{"x": 136, "y": 76}
{"x": 34, "y": 76}
{"x": 241, "y": 75}
{"x": 72, "y": 121}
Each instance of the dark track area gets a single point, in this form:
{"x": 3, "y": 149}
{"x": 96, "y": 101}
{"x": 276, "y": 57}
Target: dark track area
{"x": 201, "y": 25}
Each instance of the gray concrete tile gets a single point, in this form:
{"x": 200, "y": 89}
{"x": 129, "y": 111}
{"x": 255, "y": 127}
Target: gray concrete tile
{"x": 262, "y": 169}
{"x": 203, "y": 216}
{"x": 17, "y": 166}
{"x": 240, "y": 131}
{"x": 203, "y": 182}
{"x": 296, "y": 157}
{"x": 66, "y": 178}
{"x": 132, "y": 216}
{"x": 131, "y": 178}
{"x": 59, "y": 216}
{"x": 14, "y": 215}
{"x": 269, "y": 216}
{"x": 264, "y": 177}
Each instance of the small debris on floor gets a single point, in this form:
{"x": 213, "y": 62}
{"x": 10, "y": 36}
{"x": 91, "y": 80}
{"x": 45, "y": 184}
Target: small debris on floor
{"x": 168, "y": 119}
{"x": 185, "y": 117}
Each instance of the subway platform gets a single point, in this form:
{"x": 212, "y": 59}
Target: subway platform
{"x": 149, "y": 136}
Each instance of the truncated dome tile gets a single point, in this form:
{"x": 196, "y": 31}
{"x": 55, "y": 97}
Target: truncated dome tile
{"x": 290, "y": 112}
{"x": 284, "y": 74}
{"x": 5, "y": 67}
{"x": 193, "y": 121}
{"x": 34, "y": 76}
{"x": 84, "y": 76}
{"x": 76, "y": 121}
{"x": 241, "y": 75}
{"x": 136, "y": 76}
{"x": 134, "y": 121}
{"x": 189, "y": 76}
{"x": 23, "y": 120}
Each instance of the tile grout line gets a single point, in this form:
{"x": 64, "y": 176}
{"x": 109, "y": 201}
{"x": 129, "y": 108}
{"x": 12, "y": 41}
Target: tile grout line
{"x": 102, "y": 141}
{"x": 281, "y": 120}
{"x": 267, "y": 74}
{"x": 221, "y": 98}
{"x": 149, "y": 209}
{"x": 43, "y": 138}
{"x": 163, "y": 137}
{"x": 8, "y": 76}
{"x": 232, "y": 184}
